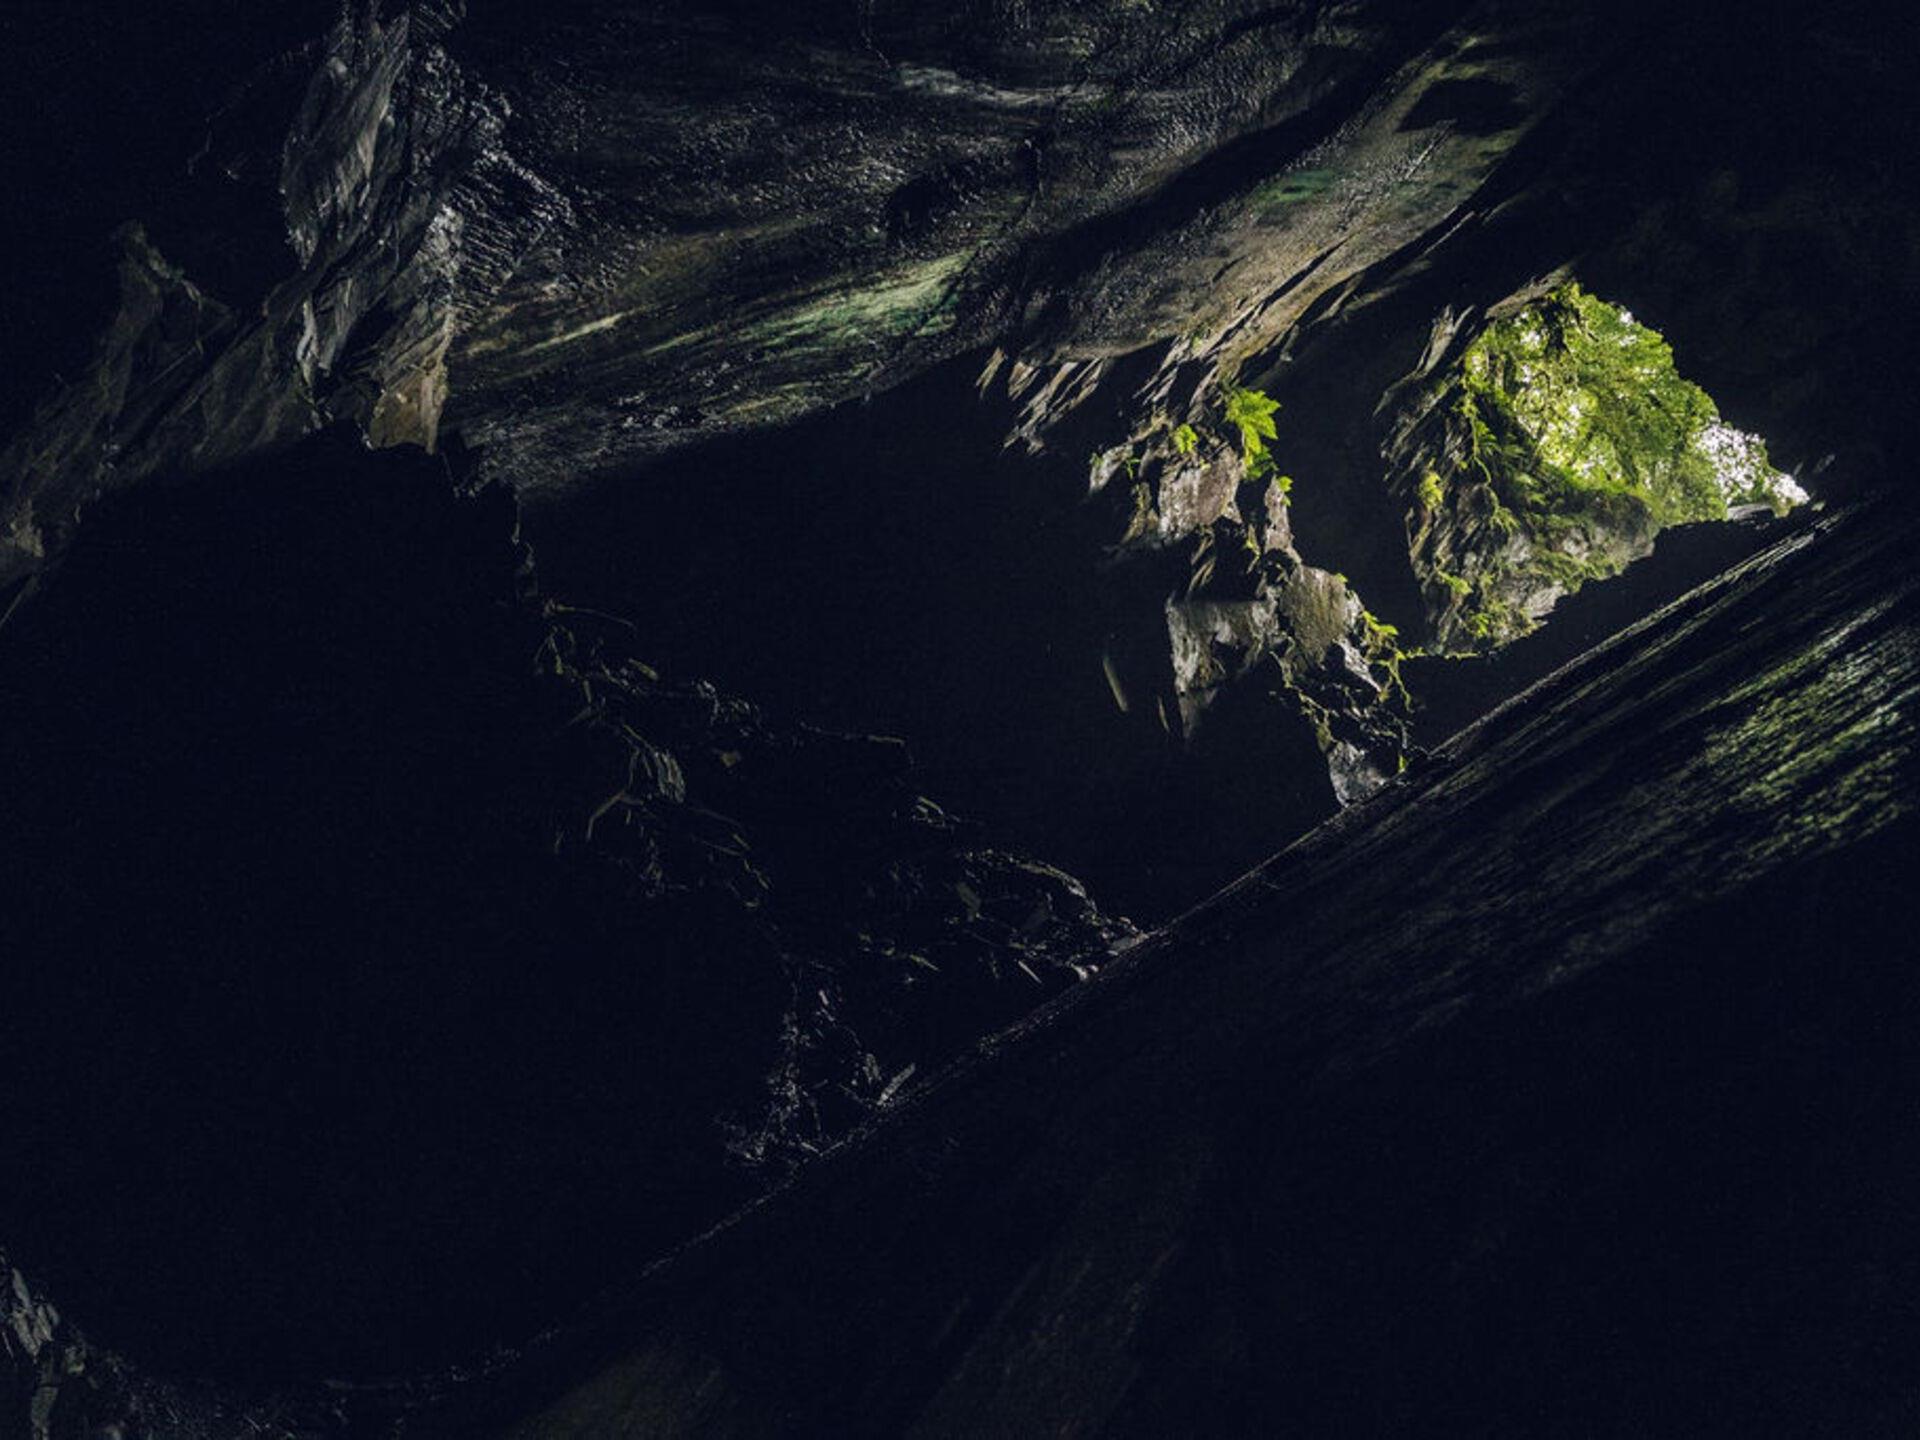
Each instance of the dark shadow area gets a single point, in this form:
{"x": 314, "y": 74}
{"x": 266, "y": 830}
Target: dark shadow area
{"x": 1471, "y": 107}
{"x": 392, "y": 959}
{"x": 313, "y": 1058}
{"x": 1344, "y": 517}
{"x": 108, "y": 127}
{"x": 1566, "y": 1090}
{"x": 890, "y": 567}
{"x": 1674, "y": 1199}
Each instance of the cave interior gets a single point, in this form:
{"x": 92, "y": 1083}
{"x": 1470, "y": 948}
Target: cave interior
{"x": 1032, "y": 717}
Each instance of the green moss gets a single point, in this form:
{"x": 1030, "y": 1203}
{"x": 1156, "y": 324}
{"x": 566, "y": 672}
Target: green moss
{"x": 1185, "y": 440}
{"x": 1292, "y": 188}
{"x": 917, "y": 300}
{"x": 1578, "y": 434}
{"x": 1575, "y": 410}
{"x": 1570, "y": 572}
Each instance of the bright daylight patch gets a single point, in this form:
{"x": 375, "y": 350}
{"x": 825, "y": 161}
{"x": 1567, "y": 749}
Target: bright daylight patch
{"x": 1570, "y": 442}
{"x": 1594, "y": 396}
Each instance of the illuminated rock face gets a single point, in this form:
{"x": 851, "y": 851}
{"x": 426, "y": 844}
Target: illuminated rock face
{"x": 574, "y": 240}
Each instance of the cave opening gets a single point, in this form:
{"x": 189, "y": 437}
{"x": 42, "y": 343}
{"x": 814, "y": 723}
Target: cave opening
{"x": 1574, "y": 430}
{"x": 897, "y": 565}
{"x": 468, "y": 916}
{"x": 1567, "y": 442}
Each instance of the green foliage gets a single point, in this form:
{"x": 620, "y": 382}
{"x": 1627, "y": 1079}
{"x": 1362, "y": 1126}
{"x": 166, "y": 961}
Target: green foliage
{"x": 1494, "y": 619}
{"x": 1381, "y": 642}
{"x": 1380, "y": 634}
{"x": 1284, "y": 484}
{"x": 1251, "y": 412}
{"x": 1185, "y": 440}
{"x": 1574, "y": 411}
{"x": 1575, "y": 428}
